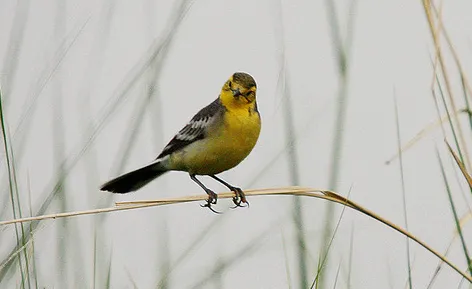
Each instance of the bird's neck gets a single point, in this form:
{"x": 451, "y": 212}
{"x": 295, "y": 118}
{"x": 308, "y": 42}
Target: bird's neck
{"x": 232, "y": 103}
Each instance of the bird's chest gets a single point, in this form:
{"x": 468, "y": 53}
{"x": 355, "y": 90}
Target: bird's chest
{"x": 234, "y": 140}
{"x": 225, "y": 146}
{"x": 240, "y": 131}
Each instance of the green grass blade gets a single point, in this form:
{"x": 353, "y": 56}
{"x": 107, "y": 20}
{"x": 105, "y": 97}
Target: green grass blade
{"x": 14, "y": 199}
{"x": 321, "y": 265}
{"x": 342, "y": 52}
{"x": 283, "y": 87}
{"x": 454, "y": 212}
{"x": 402, "y": 178}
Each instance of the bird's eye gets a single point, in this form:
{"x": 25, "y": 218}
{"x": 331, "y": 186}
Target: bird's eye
{"x": 229, "y": 84}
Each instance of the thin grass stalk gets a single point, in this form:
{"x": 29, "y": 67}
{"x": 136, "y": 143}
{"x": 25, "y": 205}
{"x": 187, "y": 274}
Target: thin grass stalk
{"x": 466, "y": 100}
{"x": 155, "y": 117}
{"x": 336, "y": 278}
{"x": 21, "y": 130}
{"x": 89, "y": 82}
{"x": 283, "y": 86}
{"x": 109, "y": 271}
{"x": 351, "y": 257}
{"x": 425, "y": 131}
{"x": 446, "y": 252}
{"x": 131, "y": 279}
{"x": 454, "y": 212}
{"x": 451, "y": 125}
{"x": 23, "y": 234}
{"x": 195, "y": 243}
{"x": 246, "y": 251}
{"x": 458, "y": 178}
{"x": 318, "y": 269}
{"x": 316, "y": 282}
{"x": 153, "y": 73}
{"x": 438, "y": 113}
{"x": 154, "y": 113}
{"x": 58, "y": 155}
{"x": 16, "y": 210}
{"x": 95, "y": 262}
{"x": 32, "y": 254}
{"x": 298, "y": 191}
{"x": 341, "y": 51}
{"x": 287, "y": 264}
{"x": 453, "y": 207}
{"x": 131, "y": 132}
{"x": 204, "y": 235}
{"x": 297, "y": 209}
{"x": 427, "y": 6}
{"x": 402, "y": 178}
{"x": 120, "y": 93}
{"x": 466, "y": 85}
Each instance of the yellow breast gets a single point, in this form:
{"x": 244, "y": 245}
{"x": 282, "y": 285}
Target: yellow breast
{"x": 224, "y": 147}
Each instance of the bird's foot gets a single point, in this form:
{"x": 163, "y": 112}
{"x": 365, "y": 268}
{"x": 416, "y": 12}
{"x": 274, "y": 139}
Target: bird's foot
{"x": 212, "y": 198}
{"x": 239, "y": 198}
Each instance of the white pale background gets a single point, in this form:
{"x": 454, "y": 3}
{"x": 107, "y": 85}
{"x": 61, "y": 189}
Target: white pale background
{"x": 75, "y": 60}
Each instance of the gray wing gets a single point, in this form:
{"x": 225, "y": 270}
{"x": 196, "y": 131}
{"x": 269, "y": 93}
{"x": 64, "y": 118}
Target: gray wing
{"x": 195, "y": 129}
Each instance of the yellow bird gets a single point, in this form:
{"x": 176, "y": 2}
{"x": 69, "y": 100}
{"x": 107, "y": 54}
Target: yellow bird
{"x": 216, "y": 139}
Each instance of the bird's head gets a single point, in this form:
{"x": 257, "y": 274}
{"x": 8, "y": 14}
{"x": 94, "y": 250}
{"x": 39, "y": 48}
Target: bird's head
{"x": 239, "y": 90}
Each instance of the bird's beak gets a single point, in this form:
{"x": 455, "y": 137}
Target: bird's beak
{"x": 236, "y": 92}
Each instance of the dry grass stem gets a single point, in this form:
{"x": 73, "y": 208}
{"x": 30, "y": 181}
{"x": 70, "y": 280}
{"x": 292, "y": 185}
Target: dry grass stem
{"x": 461, "y": 165}
{"x": 435, "y": 33}
{"x": 422, "y": 133}
{"x": 294, "y": 191}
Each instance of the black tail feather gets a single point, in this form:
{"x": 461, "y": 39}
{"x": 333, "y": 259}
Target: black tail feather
{"x": 134, "y": 180}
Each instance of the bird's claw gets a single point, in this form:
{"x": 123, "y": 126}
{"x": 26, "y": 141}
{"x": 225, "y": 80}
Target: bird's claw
{"x": 239, "y": 198}
{"x": 212, "y": 198}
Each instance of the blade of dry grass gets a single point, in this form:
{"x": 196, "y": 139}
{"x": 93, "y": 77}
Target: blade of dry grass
{"x": 456, "y": 218}
{"x": 465, "y": 82}
{"x": 460, "y": 165}
{"x": 422, "y": 133}
{"x": 462, "y": 222}
{"x": 298, "y": 191}
{"x": 435, "y": 31}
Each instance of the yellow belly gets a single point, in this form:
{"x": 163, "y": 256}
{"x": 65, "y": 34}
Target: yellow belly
{"x": 224, "y": 147}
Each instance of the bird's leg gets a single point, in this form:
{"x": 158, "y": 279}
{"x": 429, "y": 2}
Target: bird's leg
{"x": 239, "y": 197}
{"x": 212, "y": 196}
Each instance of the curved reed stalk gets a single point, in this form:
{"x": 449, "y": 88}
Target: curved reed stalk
{"x": 294, "y": 191}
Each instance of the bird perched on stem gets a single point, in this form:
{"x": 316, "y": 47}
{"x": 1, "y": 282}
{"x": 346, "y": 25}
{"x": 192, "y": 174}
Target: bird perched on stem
{"x": 216, "y": 139}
